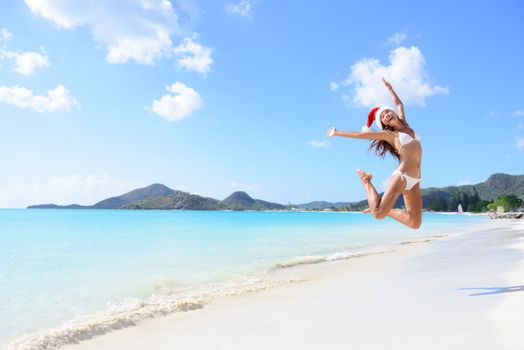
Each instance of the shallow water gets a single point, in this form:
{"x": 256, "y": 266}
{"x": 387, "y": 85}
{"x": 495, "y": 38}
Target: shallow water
{"x": 57, "y": 265}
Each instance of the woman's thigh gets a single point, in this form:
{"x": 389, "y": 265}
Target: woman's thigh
{"x": 413, "y": 201}
{"x": 395, "y": 187}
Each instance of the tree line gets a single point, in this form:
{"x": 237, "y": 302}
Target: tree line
{"x": 473, "y": 203}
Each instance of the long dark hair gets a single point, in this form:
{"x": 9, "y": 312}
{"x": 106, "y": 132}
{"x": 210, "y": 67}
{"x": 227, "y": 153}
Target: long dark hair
{"x": 382, "y": 146}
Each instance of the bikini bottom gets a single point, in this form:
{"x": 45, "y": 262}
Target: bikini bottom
{"x": 410, "y": 181}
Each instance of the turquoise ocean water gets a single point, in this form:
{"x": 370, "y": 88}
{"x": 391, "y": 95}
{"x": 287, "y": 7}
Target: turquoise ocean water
{"x": 66, "y": 272}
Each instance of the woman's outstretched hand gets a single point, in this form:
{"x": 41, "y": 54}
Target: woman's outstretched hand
{"x": 331, "y": 132}
{"x": 396, "y": 100}
{"x": 388, "y": 85}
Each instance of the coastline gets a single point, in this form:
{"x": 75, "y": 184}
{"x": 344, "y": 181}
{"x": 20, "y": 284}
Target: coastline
{"x": 455, "y": 291}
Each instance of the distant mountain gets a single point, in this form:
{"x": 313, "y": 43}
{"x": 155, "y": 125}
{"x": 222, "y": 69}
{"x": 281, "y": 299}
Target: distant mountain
{"x": 495, "y": 186}
{"x": 239, "y": 198}
{"x": 186, "y": 201}
{"x": 446, "y": 198}
{"x": 242, "y": 201}
{"x": 158, "y": 196}
{"x": 263, "y": 205}
{"x": 154, "y": 190}
{"x": 499, "y": 184}
{"x": 177, "y": 200}
{"x": 151, "y": 191}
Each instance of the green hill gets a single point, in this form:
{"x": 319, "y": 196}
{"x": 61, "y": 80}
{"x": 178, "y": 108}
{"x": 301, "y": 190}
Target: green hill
{"x": 242, "y": 201}
{"x": 177, "y": 200}
{"x": 158, "y": 196}
{"x": 151, "y": 191}
{"x": 447, "y": 198}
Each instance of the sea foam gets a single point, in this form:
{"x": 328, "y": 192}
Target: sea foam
{"x": 131, "y": 311}
{"x": 315, "y": 259}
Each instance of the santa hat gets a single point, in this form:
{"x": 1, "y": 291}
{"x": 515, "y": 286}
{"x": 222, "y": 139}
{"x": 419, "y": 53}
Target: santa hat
{"x": 374, "y": 115}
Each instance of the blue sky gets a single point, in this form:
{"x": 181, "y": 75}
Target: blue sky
{"x": 210, "y": 97}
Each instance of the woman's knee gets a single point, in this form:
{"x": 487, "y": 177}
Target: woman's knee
{"x": 379, "y": 214}
{"x": 415, "y": 223}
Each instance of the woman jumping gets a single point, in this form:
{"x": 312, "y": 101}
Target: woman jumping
{"x": 397, "y": 138}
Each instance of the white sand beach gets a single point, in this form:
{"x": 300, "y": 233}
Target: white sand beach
{"x": 463, "y": 291}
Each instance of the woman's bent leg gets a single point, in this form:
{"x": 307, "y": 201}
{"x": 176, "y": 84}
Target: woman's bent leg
{"x": 404, "y": 218}
{"x": 380, "y": 207}
{"x": 371, "y": 192}
{"x": 412, "y": 215}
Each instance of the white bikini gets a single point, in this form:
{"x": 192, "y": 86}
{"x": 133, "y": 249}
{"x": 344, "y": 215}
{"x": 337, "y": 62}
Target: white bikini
{"x": 404, "y": 139}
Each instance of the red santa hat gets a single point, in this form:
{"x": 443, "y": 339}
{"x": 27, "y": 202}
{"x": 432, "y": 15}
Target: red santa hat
{"x": 374, "y": 115}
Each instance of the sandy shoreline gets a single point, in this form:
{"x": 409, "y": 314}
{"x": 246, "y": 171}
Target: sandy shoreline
{"x": 462, "y": 291}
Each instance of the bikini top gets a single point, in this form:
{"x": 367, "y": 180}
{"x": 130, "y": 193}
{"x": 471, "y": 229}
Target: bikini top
{"x": 404, "y": 138}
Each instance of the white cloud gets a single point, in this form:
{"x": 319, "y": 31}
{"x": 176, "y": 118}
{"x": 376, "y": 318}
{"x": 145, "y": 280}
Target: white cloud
{"x": 396, "y": 39}
{"x": 319, "y": 144}
{"x": 243, "y": 8}
{"x": 518, "y": 113}
{"x": 405, "y": 72}
{"x": 519, "y": 142}
{"x": 5, "y": 35}
{"x": 63, "y": 13}
{"x": 58, "y": 99}
{"x": 194, "y": 55}
{"x": 26, "y": 63}
{"x": 67, "y": 189}
{"x": 179, "y": 106}
{"x": 143, "y": 49}
{"x": 249, "y": 188}
{"x": 138, "y": 30}
{"x": 333, "y": 86}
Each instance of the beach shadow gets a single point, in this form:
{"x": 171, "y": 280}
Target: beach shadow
{"x": 495, "y": 290}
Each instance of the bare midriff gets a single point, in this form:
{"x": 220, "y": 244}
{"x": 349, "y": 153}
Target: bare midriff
{"x": 410, "y": 157}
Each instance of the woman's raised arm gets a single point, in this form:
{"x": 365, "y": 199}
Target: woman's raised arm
{"x": 396, "y": 100}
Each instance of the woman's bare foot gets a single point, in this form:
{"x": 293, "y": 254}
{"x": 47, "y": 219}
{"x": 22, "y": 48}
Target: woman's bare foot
{"x": 364, "y": 177}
